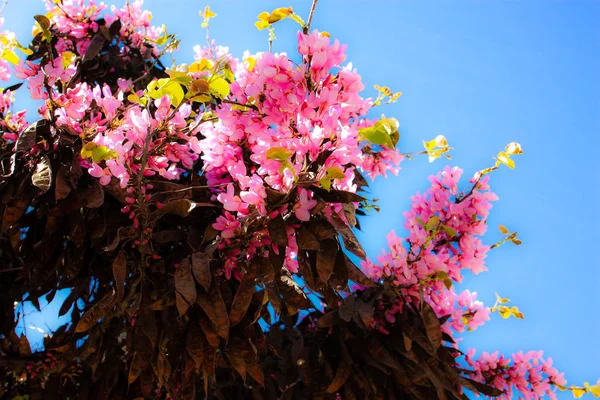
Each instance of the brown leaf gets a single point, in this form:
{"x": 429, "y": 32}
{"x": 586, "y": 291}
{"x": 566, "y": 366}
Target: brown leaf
{"x": 135, "y": 368}
{"x": 28, "y": 137}
{"x": 330, "y": 319}
{"x": 306, "y": 270}
{"x": 356, "y": 275}
{"x": 243, "y": 296}
{"x": 13, "y": 212}
{"x": 94, "y": 48}
{"x": 195, "y": 345}
{"x": 342, "y": 374}
{"x": 222, "y": 319}
{"x": 201, "y": 269}
{"x": 167, "y": 236}
{"x": 209, "y": 332}
{"x": 350, "y": 241}
{"x": 185, "y": 288}
{"x": 94, "y": 194}
{"x": 98, "y": 310}
{"x": 478, "y": 387}
{"x": 147, "y": 324}
{"x": 337, "y": 196}
{"x": 24, "y": 347}
{"x": 432, "y": 325}
{"x": 346, "y": 310}
{"x": 350, "y": 213}
{"x": 277, "y": 231}
{"x": 123, "y": 232}
{"x": 236, "y": 360}
{"x": 42, "y": 177}
{"x": 7, "y": 165}
{"x": 339, "y": 279}
{"x": 381, "y": 354}
{"x": 321, "y": 228}
{"x": 62, "y": 189}
{"x": 326, "y": 259}
{"x": 119, "y": 269}
{"x": 274, "y": 296}
{"x": 292, "y": 292}
{"x": 253, "y": 366}
{"x": 306, "y": 240}
{"x": 181, "y": 207}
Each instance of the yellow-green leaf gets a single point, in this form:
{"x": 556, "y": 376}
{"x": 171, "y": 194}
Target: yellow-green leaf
{"x": 166, "y": 86}
{"x": 449, "y": 230}
{"x": 436, "y": 148}
{"x": 578, "y": 392}
{"x": 331, "y": 174}
{"x": 501, "y": 300}
{"x": 384, "y": 132}
{"x": 516, "y": 241}
{"x": 10, "y": 56}
{"x": 207, "y": 15}
{"x": 279, "y": 154}
{"x": 201, "y": 65}
{"x": 595, "y": 390}
{"x": 97, "y": 153}
{"x": 516, "y": 313}
{"x": 219, "y": 87}
{"x": 503, "y": 229}
{"x": 505, "y": 159}
{"x": 432, "y": 223}
{"x": 505, "y": 312}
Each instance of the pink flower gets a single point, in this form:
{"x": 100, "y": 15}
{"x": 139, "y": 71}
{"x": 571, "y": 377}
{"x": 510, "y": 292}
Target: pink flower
{"x": 304, "y": 205}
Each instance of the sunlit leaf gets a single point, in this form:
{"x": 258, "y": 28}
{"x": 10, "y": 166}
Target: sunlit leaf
{"x": 505, "y": 159}
{"x": 219, "y": 87}
{"x": 279, "y": 154}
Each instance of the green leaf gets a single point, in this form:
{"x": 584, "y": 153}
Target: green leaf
{"x": 505, "y": 159}
{"x": 43, "y": 21}
{"x": 449, "y": 230}
{"x": 280, "y": 154}
{"x": 166, "y": 86}
{"x": 501, "y": 300}
{"x": 331, "y": 174}
{"x": 219, "y": 87}
{"x": 10, "y": 56}
{"x": 383, "y": 133}
{"x": 432, "y": 223}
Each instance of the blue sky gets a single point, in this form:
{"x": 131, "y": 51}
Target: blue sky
{"x": 483, "y": 73}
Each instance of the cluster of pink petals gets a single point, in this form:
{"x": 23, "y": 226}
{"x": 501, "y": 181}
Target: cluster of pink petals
{"x": 528, "y": 374}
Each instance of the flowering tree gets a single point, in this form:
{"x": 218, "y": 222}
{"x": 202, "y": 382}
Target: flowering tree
{"x": 202, "y": 217}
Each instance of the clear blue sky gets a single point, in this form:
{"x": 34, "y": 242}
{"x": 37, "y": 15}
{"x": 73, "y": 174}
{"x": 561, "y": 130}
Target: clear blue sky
{"x": 483, "y": 73}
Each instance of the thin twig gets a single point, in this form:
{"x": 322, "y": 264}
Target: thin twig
{"x": 192, "y": 188}
{"x": 310, "y": 16}
{"x": 11, "y": 269}
{"x": 252, "y": 106}
{"x": 3, "y": 7}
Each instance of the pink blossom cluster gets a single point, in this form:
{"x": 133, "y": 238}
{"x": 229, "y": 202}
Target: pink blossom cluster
{"x": 443, "y": 228}
{"x": 313, "y": 117}
{"x": 528, "y": 374}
